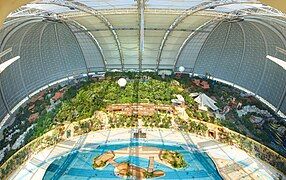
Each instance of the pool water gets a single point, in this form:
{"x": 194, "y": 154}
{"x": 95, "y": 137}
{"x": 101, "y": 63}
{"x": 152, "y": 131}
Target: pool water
{"x": 78, "y": 164}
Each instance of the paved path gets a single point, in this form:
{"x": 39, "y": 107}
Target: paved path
{"x": 113, "y": 163}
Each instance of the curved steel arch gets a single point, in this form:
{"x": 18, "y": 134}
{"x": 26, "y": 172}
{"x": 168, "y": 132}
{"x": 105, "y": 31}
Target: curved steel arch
{"x": 266, "y": 51}
{"x": 271, "y": 27}
{"x": 280, "y": 21}
{"x": 93, "y": 39}
{"x": 86, "y": 9}
{"x": 85, "y": 63}
{"x": 205, "y": 42}
{"x": 19, "y": 51}
{"x": 223, "y": 47}
{"x": 141, "y": 9}
{"x": 4, "y": 99}
{"x": 60, "y": 49}
{"x": 243, "y": 53}
{"x": 188, "y": 12}
{"x": 16, "y": 28}
{"x": 40, "y": 49}
{"x": 188, "y": 39}
{"x": 177, "y": 21}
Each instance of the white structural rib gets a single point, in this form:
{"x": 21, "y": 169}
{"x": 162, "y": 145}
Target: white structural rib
{"x": 83, "y": 8}
{"x": 5, "y": 52}
{"x": 191, "y": 11}
{"x": 283, "y": 51}
{"x": 277, "y": 61}
{"x": 4, "y": 65}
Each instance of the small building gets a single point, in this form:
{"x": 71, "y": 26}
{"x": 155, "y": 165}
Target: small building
{"x": 97, "y": 77}
{"x": 176, "y": 102}
{"x": 201, "y": 83}
{"x": 194, "y": 95}
{"x": 57, "y": 96}
{"x": 180, "y": 98}
{"x": 257, "y": 121}
{"x": 39, "y": 96}
{"x": 31, "y": 107}
{"x": 205, "y": 85}
{"x": 179, "y": 101}
{"x": 140, "y": 109}
{"x": 281, "y": 130}
{"x": 33, "y": 117}
{"x": 139, "y": 134}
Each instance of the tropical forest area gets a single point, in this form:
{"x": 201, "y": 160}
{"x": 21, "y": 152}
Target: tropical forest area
{"x": 79, "y": 100}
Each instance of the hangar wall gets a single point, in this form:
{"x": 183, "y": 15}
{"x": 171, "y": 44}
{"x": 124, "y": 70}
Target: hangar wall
{"x": 236, "y": 52}
{"x": 49, "y": 51}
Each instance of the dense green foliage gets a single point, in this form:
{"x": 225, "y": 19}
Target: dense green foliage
{"x": 121, "y": 121}
{"x": 83, "y": 99}
{"x": 96, "y": 96}
{"x": 158, "y": 120}
{"x": 175, "y": 159}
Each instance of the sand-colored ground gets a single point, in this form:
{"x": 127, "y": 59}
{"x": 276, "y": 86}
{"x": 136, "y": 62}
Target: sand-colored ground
{"x": 103, "y": 159}
{"x": 143, "y": 152}
{"x": 122, "y": 169}
{"x": 233, "y": 163}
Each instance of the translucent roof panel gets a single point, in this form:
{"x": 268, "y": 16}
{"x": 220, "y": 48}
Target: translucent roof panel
{"x": 185, "y": 4}
{"x": 108, "y": 4}
{"x": 49, "y": 8}
{"x": 234, "y": 7}
{"x": 49, "y": 5}
{"x": 173, "y": 4}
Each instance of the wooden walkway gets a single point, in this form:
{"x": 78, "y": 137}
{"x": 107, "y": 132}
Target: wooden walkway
{"x": 113, "y": 163}
{"x": 151, "y": 164}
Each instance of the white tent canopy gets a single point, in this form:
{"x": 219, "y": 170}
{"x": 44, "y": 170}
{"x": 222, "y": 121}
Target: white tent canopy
{"x": 205, "y": 101}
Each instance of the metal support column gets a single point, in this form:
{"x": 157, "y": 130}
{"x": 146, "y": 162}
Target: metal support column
{"x": 141, "y": 7}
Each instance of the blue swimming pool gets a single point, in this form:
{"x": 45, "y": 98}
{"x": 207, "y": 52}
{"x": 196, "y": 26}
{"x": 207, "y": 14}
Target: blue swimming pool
{"x": 78, "y": 164}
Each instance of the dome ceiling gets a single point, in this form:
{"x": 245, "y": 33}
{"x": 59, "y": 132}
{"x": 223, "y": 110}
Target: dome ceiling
{"x": 143, "y": 34}
{"x": 85, "y": 36}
